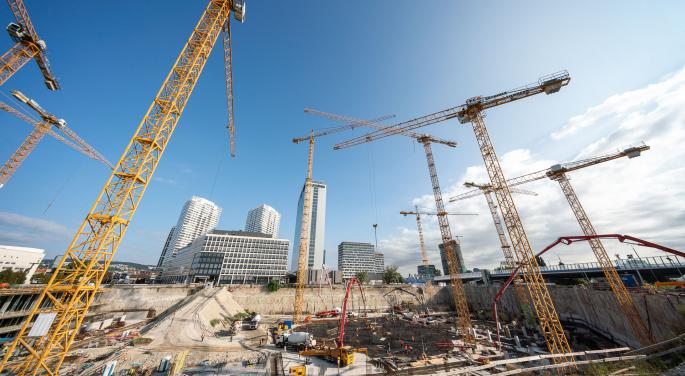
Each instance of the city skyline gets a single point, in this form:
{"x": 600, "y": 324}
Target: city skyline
{"x": 46, "y": 200}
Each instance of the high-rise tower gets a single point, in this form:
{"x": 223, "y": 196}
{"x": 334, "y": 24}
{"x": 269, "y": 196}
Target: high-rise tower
{"x": 198, "y": 217}
{"x": 317, "y": 230}
{"x": 166, "y": 247}
{"x": 263, "y": 219}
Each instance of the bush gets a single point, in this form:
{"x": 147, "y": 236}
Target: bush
{"x": 273, "y": 285}
{"x": 214, "y": 322}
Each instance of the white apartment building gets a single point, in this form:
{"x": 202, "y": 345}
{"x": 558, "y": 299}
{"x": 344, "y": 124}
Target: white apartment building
{"x": 198, "y": 217}
{"x": 229, "y": 257}
{"x": 354, "y": 257}
{"x": 21, "y": 259}
{"x": 264, "y": 219}
{"x": 315, "y": 254}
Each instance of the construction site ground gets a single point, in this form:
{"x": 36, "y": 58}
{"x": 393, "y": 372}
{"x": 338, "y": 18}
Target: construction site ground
{"x": 197, "y": 332}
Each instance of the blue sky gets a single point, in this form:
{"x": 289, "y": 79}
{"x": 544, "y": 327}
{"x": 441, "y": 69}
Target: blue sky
{"x": 361, "y": 60}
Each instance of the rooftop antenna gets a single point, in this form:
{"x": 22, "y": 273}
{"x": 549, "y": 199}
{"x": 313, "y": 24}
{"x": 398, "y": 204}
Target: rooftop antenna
{"x": 375, "y": 234}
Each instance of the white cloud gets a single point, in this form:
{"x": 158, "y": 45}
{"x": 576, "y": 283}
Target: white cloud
{"x": 24, "y": 230}
{"x": 642, "y": 197}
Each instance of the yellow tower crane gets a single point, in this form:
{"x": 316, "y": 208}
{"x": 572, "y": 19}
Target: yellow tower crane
{"x": 419, "y": 226}
{"x": 49, "y": 330}
{"x": 27, "y": 46}
{"x": 39, "y": 131}
{"x": 509, "y": 259}
{"x": 558, "y": 174}
{"x": 472, "y": 112}
{"x": 35, "y": 123}
{"x": 305, "y": 221}
{"x": 458, "y": 294}
{"x": 422, "y": 245}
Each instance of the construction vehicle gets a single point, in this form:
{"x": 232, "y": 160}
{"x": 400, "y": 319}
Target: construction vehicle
{"x": 332, "y": 313}
{"x": 299, "y": 370}
{"x": 79, "y": 274}
{"x": 28, "y": 45}
{"x": 305, "y": 222}
{"x": 295, "y": 340}
{"x": 557, "y": 173}
{"x": 341, "y": 354}
{"x": 41, "y": 128}
{"x": 472, "y": 112}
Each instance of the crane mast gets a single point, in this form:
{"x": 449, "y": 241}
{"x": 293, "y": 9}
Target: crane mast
{"x": 625, "y": 301}
{"x": 422, "y": 244}
{"x": 74, "y": 283}
{"x": 458, "y": 293}
{"x": 551, "y": 327}
{"x": 509, "y": 259}
{"x": 228, "y": 74}
{"x": 305, "y": 224}
{"x": 28, "y": 46}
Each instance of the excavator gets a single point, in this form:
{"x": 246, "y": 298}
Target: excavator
{"x": 341, "y": 354}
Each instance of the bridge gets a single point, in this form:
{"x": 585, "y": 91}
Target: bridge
{"x": 642, "y": 269}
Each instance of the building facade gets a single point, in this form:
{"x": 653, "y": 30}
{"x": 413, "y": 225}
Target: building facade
{"x": 354, "y": 257}
{"x": 21, "y": 259}
{"x": 198, "y": 217}
{"x": 426, "y": 272}
{"x": 315, "y": 254}
{"x": 229, "y": 257}
{"x": 166, "y": 247}
{"x": 378, "y": 263}
{"x": 264, "y": 219}
{"x": 457, "y": 250}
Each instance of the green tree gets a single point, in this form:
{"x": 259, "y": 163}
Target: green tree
{"x": 391, "y": 275}
{"x": 40, "y": 278}
{"x": 12, "y": 277}
{"x": 362, "y": 276}
{"x": 273, "y": 285}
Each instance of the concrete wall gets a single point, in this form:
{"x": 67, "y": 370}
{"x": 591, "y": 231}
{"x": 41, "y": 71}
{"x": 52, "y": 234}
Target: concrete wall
{"x": 136, "y": 297}
{"x": 281, "y": 302}
{"x": 665, "y": 313}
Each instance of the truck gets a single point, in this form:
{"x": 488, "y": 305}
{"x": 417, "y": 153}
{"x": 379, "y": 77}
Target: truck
{"x": 253, "y": 322}
{"x": 296, "y": 340}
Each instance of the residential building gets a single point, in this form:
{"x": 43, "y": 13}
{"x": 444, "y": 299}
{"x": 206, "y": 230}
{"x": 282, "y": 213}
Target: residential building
{"x": 425, "y": 272}
{"x": 198, "y": 217}
{"x": 457, "y": 250}
{"x": 264, "y": 219}
{"x": 166, "y": 247}
{"x": 315, "y": 254}
{"x": 354, "y": 257}
{"x": 21, "y": 259}
{"x": 229, "y": 257}
{"x": 378, "y": 263}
